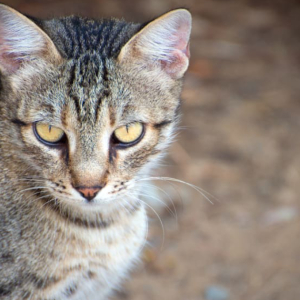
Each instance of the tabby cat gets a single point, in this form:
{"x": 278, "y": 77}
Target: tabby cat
{"x": 87, "y": 107}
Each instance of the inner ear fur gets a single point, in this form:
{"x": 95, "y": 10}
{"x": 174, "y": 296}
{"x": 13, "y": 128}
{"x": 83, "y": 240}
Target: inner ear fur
{"x": 21, "y": 40}
{"x": 163, "y": 42}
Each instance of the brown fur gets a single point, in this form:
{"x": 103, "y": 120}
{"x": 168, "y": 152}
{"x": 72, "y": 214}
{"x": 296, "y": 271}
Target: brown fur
{"x": 55, "y": 244}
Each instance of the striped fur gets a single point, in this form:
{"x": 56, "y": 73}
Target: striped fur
{"x": 87, "y": 77}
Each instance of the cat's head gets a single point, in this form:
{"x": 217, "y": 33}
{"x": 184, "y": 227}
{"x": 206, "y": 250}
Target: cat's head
{"x": 88, "y": 106}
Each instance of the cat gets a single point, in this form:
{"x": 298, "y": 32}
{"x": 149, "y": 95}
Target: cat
{"x": 87, "y": 107}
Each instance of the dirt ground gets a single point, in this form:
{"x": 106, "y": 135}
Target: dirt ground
{"x": 239, "y": 141}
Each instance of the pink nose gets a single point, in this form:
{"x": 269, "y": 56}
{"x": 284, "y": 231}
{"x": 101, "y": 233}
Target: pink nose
{"x": 88, "y": 192}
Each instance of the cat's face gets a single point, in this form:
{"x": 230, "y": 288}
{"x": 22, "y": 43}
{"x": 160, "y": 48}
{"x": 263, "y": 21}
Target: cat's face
{"x": 87, "y": 146}
{"x": 86, "y": 129}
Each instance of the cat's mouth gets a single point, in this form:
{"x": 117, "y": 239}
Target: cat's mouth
{"x": 88, "y": 214}
{"x": 71, "y": 215}
{"x": 58, "y": 200}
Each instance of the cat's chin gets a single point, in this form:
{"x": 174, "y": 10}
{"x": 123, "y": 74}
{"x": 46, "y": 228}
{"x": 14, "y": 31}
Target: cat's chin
{"x": 82, "y": 207}
{"x": 85, "y": 205}
{"x": 93, "y": 214}
{"x": 90, "y": 206}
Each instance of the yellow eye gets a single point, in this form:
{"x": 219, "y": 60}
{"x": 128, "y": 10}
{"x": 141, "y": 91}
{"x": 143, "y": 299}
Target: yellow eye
{"x": 129, "y": 133}
{"x": 48, "y": 133}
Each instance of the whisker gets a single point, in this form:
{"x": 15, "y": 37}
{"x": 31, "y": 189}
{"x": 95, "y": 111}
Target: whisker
{"x": 47, "y": 202}
{"x": 168, "y": 196}
{"x": 34, "y": 188}
{"x": 198, "y": 189}
{"x": 23, "y": 180}
{"x": 160, "y": 220}
{"x": 174, "y": 214}
{"x": 33, "y": 199}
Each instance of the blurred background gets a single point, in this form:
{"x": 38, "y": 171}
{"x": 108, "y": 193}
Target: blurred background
{"x": 239, "y": 141}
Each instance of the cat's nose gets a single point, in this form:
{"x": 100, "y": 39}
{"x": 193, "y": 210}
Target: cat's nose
{"x": 89, "y": 192}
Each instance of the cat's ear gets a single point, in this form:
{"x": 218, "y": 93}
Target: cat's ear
{"x": 163, "y": 42}
{"x": 21, "y": 40}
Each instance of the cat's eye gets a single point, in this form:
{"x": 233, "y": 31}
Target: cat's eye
{"x": 129, "y": 134}
{"x": 48, "y": 134}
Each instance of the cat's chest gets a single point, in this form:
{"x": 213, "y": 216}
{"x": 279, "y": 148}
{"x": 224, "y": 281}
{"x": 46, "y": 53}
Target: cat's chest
{"x": 89, "y": 273}
{"x": 93, "y": 262}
